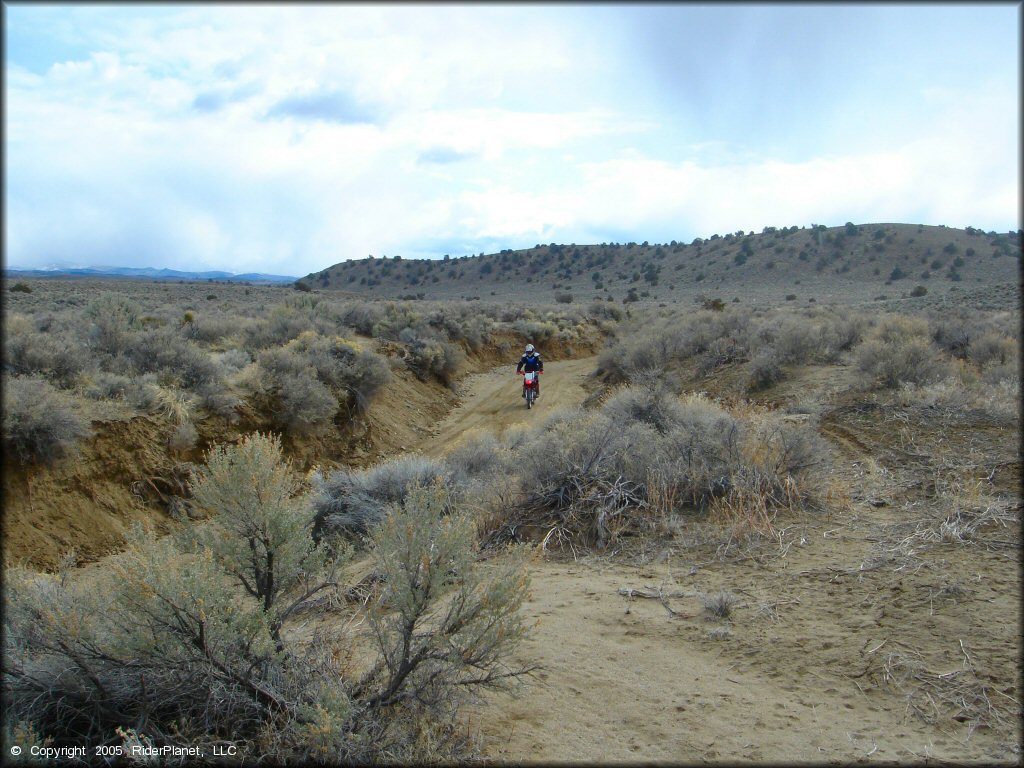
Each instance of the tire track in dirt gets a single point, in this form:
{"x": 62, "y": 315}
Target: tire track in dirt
{"x": 493, "y": 401}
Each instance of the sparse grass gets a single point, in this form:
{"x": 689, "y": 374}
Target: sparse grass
{"x": 719, "y": 605}
{"x": 175, "y": 405}
{"x": 958, "y": 695}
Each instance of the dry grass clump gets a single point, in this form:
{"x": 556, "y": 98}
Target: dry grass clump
{"x": 719, "y": 605}
{"x": 40, "y": 423}
{"x": 186, "y": 640}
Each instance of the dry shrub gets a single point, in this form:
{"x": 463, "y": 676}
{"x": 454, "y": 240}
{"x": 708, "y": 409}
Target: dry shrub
{"x": 300, "y": 395}
{"x": 656, "y": 342}
{"x": 478, "y": 455}
{"x": 648, "y": 404}
{"x": 352, "y": 502}
{"x": 840, "y": 334}
{"x": 763, "y": 370}
{"x": 537, "y": 331}
{"x": 306, "y": 379}
{"x": 303, "y": 405}
{"x": 992, "y": 349}
{"x": 567, "y": 477}
{"x": 343, "y": 365}
{"x": 431, "y": 357}
{"x": 423, "y": 549}
{"x": 216, "y": 398}
{"x": 232, "y": 361}
{"x": 720, "y": 352}
{"x": 780, "y": 469}
{"x": 40, "y": 423}
{"x": 113, "y": 320}
{"x": 53, "y": 355}
{"x": 108, "y": 386}
{"x": 953, "y": 332}
{"x": 887, "y": 363}
{"x": 996, "y": 393}
{"x": 604, "y": 311}
{"x": 593, "y": 477}
{"x": 796, "y": 340}
{"x": 210, "y": 329}
{"x": 183, "y": 437}
{"x": 789, "y": 337}
{"x": 166, "y": 352}
{"x": 184, "y": 637}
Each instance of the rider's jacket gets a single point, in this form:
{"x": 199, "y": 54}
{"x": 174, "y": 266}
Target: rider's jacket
{"x": 530, "y": 364}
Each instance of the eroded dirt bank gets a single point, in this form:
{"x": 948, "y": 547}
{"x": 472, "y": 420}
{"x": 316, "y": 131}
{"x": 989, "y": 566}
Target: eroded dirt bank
{"x": 126, "y": 472}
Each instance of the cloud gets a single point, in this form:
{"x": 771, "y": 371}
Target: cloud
{"x": 444, "y": 156}
{"x": 215, "y": 100}
{"x": 328, "y": 106}
{"x": 287, "y": 138}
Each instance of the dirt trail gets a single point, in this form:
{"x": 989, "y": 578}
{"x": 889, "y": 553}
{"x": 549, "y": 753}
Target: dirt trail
{"x": 624, "y": 680}
{"x": 798, "y": 673}
{"x": 492, "y": 401}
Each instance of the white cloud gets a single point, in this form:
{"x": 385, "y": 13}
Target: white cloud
{"x": 491, "y": 125}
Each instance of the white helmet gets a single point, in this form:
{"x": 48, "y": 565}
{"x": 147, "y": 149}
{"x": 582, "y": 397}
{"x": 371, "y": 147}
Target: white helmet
{"x": 529, "y": 348}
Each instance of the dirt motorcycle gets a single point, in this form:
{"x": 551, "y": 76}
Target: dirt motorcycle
{"x": 529, "y": 386}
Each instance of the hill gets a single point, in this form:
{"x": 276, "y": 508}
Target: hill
{"x": 848, "y": 264}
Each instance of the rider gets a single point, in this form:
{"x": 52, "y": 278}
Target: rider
{"x": 531, "y": 362}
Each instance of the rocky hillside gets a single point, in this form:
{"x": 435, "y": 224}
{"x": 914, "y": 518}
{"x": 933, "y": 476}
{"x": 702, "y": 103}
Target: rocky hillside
{"x": 851, "y": 263}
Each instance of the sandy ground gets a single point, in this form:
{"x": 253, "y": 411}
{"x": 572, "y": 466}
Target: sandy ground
{"x": 842, "y": 647}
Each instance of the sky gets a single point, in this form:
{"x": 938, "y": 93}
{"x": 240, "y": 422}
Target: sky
{"x": 284, "y": 138}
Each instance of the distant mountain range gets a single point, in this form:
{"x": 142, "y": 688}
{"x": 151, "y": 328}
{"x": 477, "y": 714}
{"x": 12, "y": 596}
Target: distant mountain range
{"x": 149, "y": 273}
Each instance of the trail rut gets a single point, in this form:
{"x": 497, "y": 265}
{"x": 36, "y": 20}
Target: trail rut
{"x": 493, "y": 402}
